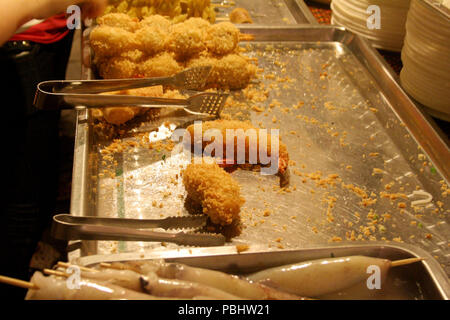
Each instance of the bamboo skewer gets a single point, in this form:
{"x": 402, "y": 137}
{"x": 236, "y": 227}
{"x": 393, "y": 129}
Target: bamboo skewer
{"x": 56, "y": 273}
{"x": 67, "y": 265}
{"x": 111, "y": 266}
{"x": 403, "y": 262}
{"x": 18, "y": 283}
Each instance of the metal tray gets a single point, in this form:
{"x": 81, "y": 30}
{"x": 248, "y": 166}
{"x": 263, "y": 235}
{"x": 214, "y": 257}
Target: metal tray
{"x": 425, "y": 280}
{"x": 271, "y": 12}
{"x": 352, "y": 120}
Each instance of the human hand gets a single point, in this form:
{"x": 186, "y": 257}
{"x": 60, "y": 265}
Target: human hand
{"x": 41, "y": 9}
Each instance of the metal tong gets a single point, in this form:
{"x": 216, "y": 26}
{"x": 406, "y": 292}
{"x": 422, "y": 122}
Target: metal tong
{"x": 67, "y": 94}
{"x": 69, "y": 227}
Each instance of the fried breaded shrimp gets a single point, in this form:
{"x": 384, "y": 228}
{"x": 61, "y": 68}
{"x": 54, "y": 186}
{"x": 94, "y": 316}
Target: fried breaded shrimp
{"x": 161, "y": 65}
{"x": 249, "y": 137}
{"x": 187, "y": 39}
{"x": 231, "y": 71}
{"x": 215, "y": 190}
{"x": 121, "y": 115}
{"x": 222, "y": 38}
{"x": 109, "y": 41}
{"x": 120, "y": 20}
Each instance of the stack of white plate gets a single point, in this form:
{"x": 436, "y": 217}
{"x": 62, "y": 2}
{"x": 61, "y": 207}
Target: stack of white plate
{"x": 361, "y": 17}
{"x": 426, "y": 56}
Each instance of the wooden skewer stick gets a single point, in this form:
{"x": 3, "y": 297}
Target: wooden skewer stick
{"x": 56, "y": 273}
{"x": 18, "y": 283}
{"x": 110, "y": 266}
{"x": 67, "y": 265}
{"x": 405, "y": 262}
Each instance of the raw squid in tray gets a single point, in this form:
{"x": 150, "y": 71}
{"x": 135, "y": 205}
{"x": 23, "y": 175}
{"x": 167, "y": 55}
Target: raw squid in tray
{"x": 157, "y": 279}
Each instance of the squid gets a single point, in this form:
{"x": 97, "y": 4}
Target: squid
{"x": 318, "y": 277}
{"x": 231, "y": 284}
{"x": 161, "y": 287}
{"x": 57, "y": 288}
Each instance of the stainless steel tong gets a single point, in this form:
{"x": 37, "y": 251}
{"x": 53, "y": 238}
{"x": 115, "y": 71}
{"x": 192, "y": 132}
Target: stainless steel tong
{"x": 67, "y": 94}
{"x": 68, "y": 227}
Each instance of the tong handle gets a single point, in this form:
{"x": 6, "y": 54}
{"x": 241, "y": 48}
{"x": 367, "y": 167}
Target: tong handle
{"x": 97, "y": 86}
{"x": 192, "y": 221}
{"x": 47, "y": 99}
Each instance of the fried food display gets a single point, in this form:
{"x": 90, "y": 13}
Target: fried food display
{"x": 215, "y": 190}
{"x": 249, "y": 137}
{"x": 157, "y": 47}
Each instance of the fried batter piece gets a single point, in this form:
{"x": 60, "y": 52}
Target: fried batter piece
{"x": 161, "y": 65}
{"x": 231, "y": 71}
{"x": 252, "y": 146}
{"x": 222, "y": 38}
{"x": 117, "y": 68}
{"x": 215, "y": 190}
{"x": 120, "y": 115}
{"x": 187, "y": 39}
{"x": 151, "y": 40}
{"x": 152, "y": 34}
{"x": 156, "y": 21}
{"x": 240, "y": 15}
{"x": 120, "y": 20}
{"x": 109, "y": 41}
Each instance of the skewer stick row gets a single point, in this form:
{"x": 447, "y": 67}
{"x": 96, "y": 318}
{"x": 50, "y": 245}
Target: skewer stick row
{"x": 18, "y": 283}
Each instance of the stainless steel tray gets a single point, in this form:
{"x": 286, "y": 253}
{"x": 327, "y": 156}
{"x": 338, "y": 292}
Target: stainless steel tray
{"x": 271, "y": 12}
{"x": 425, "y": 280}
{"x": 353, "y": 122}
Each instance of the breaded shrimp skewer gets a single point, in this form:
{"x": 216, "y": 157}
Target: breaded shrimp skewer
{"x": 252, "y": 143}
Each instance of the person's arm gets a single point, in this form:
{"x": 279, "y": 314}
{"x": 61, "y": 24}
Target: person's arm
{"x": 14, "y": 13}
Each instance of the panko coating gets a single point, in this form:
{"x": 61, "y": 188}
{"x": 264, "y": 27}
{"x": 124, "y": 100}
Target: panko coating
{"x": 120, "y": 20}
{"x": 222, "y": 38}
{"x": 254, "y": 147}
{"x": 215, "y": 190}
{"x": 161, "y": 65}
{"x": 186, "y": 39}
{"x": 109, "y": 41}
{"x": 151, "y": 40}
{"x": 156, "y": 21}
{"x": 231, "y": 71}
{"x": 117, "y": 68}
